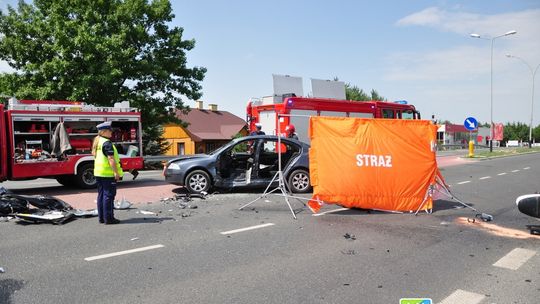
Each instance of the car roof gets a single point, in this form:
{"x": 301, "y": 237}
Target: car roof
{"x": 272, "y": 137}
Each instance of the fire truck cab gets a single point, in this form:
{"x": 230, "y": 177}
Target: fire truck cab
{"x": 274, "y": 113}
{"x": 53, "y": 139}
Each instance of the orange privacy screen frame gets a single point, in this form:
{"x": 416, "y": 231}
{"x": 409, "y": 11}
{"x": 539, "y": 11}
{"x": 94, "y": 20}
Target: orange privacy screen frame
{"x": 385, "y": 164}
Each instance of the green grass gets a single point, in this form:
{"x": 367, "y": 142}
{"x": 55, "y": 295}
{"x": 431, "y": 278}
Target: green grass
{"x": 504, "y": 152}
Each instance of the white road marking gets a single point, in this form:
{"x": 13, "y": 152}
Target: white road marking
{"x": 526, "y": 168}
{"x": 247, "y": 228}
{"x": 108, "y": 255}
{"x": 515, "y": 170}
{"x": 465, "y": 182}
{"x": 515, "y": 258}
{"x": 485, "y": 177}
{"x": 331, "y": 211}
{"x": 463, "y": 297}
{"x": 504, "y": 173}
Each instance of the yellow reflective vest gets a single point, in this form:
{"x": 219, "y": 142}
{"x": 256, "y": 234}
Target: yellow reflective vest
{"x": 102, "y": 168}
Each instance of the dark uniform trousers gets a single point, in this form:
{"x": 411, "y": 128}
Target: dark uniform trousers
{"x": 105, "y": 200}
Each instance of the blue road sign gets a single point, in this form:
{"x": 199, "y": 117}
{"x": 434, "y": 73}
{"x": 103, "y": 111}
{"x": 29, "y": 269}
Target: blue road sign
{"x": 470, "y": 123}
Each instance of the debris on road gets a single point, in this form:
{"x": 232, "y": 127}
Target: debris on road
{"x": 122, "y": 204}
{"x": 146, "y": 212}
{"x": 52, "y": 217}
{"x": 349, "y": 236}
{"x": 85, "y": 213}
{"x": 2, "y": 270}
{"x": 5, "y": 218}
{"x": 134, "y": 239}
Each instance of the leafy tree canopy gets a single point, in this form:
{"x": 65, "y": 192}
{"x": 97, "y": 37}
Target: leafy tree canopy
{"x": 353, "y": 92}
{"x": 100, "y": 52}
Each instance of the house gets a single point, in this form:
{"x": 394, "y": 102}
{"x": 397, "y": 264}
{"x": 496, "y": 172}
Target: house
{"x": 457, "y": 136}
{"x": 208, "y": 130}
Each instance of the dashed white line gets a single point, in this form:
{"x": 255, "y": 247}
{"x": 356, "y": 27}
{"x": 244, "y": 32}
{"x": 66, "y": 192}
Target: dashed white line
{"x": 463, "y": 297}
{"x": 515, "y": 171}
{"x": 504, "y": 173}
{"x": 108, "y": 255}
{"x": 515, "y": 258}
{"x": 485, "y": 177}
{"x": 526, "y": 168}
{"x": 331, "y": 211}
{"x": 247, "y": 228}
{"x": 465, "y": 182}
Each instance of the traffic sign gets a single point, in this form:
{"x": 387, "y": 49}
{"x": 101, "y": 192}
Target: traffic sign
{"x": 470, "y": 123}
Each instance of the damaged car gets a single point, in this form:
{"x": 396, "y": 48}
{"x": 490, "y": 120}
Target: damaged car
{"x": 251, "y": 161}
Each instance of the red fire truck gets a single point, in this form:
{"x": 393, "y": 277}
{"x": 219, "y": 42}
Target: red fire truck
{"x": 297, "y": 110}
{"x": 31, "y": 131}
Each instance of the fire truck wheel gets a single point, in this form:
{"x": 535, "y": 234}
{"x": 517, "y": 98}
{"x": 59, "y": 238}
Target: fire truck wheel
{"x": 66, "y": 180}
{"x": 299, "y": 181}
{"x": 85, "y": 176}
{"x": 198, "y": 181}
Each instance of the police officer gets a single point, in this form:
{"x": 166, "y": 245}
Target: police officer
{"x": 107, "y": 171}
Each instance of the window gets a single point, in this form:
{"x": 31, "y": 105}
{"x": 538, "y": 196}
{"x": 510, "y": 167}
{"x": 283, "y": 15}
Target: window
{"x": 181, "y": 149}
{"x": 388, "y": 113}
{"x": 408, "y": 114}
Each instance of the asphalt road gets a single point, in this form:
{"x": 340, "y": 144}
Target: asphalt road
{"x": 200, "y": 255}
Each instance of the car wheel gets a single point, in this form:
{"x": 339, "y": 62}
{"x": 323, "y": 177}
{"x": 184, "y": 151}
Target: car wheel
{"x": 299, "y": 181}
{"x": 198, "y": 181}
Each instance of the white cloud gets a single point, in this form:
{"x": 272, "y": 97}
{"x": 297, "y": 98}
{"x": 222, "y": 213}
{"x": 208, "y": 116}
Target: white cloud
{"x": 453, "y": 81}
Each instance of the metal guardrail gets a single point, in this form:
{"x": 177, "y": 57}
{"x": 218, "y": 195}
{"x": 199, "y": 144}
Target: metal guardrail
{"x": 158, "y": 158}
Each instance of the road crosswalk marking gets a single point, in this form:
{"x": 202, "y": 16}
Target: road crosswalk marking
{"x": 515, "y": 258}
{"x": 463, "y": 297}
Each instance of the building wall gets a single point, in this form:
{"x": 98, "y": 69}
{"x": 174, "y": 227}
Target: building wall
{"x": 174, "y": 135}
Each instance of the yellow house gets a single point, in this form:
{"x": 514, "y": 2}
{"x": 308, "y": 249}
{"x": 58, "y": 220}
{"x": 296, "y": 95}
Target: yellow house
{"x": 207, "y": 130}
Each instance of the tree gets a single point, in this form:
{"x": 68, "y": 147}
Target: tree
{"x": 355, "y": 93}
{"x": 100, "y": 52}
{"x": 516, "y": 131}
{"x": 536, "y": 134}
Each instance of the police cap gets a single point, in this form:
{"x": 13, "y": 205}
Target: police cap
{"x": 105, "y": 125}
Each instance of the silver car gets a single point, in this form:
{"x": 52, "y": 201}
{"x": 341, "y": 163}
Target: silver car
{"x": 251, "y": 161}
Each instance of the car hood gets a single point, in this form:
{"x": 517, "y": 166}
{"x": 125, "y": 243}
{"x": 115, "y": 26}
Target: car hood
{"x": 187, "y": 157}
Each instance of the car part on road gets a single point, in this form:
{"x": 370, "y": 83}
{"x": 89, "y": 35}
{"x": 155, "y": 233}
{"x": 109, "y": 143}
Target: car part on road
{"x": 52, "y": 217}
{"x": 122, "y": 204}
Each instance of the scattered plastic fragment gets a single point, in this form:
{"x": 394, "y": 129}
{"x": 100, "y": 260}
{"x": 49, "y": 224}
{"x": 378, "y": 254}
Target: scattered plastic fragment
{"x": 122, "y": 204}
{"x": 349, "y": 236}
{"x": 146, "y": 212}
{"x": 134, "y": 239}
{"x": 2, "y": 270}
{"x": 85, "y": 213}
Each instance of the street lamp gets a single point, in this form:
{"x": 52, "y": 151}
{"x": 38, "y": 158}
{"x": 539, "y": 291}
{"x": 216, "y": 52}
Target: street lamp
{"x": 533, "y": 74}
{"x": 491, "y": 98}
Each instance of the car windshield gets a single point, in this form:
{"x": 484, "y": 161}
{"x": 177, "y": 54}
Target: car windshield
{"x": 218, "y": 150}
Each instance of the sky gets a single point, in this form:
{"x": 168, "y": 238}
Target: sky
{"x": 419, "y": 51}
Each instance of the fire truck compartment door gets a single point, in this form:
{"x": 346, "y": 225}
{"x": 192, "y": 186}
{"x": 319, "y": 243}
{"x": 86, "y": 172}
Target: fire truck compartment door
{"x": 84, "y": 118}
{"x": 135, "y": 118}
{"x": 19, "y": 117}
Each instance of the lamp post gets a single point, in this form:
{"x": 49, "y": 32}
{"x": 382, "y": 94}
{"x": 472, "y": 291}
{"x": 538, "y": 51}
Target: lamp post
{"x": 491, "y": 77}
{"x": 533, "y": 74}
